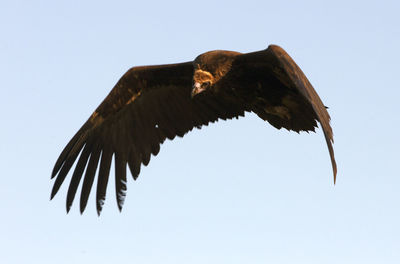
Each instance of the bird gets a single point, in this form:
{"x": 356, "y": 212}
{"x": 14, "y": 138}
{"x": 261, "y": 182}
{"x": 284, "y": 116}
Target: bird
{"x": 150, "y": 104}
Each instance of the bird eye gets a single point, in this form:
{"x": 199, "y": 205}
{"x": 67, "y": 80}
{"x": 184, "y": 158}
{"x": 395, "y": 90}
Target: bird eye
{"x": 205, "y": 84}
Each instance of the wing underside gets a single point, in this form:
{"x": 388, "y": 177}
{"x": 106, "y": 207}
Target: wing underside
{"x": 147, "y": 106}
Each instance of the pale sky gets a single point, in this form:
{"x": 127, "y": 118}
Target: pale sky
{"x": 234, "y": 192}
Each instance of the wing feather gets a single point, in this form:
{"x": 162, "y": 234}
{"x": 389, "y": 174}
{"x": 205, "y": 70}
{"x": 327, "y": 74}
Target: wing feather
{"x": 61, "y": 159}
{"x": 77, "y": 175}
{"x": 146, "y": 106}
{"x": 297, "y": 77}
{"x": 66, "y": 166}
{"x": 275, "y": 80}
{"x": 150, "y": 104}
{"x": 120, "y": 178}
{"x": 102, "y": 180}
{"x": 89, "y": 176}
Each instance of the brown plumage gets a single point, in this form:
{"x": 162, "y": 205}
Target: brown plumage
{"x": 152, "y": 103}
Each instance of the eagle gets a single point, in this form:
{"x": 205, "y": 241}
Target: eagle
{"x": 152, "y": 103}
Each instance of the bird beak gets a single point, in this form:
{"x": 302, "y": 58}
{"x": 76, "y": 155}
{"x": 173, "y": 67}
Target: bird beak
{"x": 197, "y": 89}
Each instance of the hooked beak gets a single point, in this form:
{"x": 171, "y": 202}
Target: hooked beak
{"x": 197, "y": 88}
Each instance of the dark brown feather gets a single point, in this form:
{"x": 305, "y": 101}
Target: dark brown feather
{"x": 152, "y": 103}
{"x": 271, "y": 78}
{"x": 300, "y": 81}
{"x": 89, "y": 176}
{"x": 120, "y": 179}
{"x": 77, "y": 175}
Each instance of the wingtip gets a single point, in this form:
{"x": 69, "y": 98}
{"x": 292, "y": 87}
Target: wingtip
{"x": 68, "y": 208}
{"x": 82, "y": 208}
{"x": 334, "y": 168}
{"x": 56, "y": 168}
{"x": 99, "y": 206}
{"x": 120, "y": 203}
{"x": 99, "y": 211}
{"x": 53, "y": 193}
{"x": 121, "y": 199}
{"x": 334, "y": 175}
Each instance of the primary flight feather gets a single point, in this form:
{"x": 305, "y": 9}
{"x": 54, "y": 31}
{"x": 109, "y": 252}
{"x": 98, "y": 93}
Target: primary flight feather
{"x": 151, "y": 103}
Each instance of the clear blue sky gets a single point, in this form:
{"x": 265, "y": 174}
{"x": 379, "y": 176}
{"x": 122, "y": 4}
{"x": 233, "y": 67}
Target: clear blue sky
{"x": 234, "y": 192}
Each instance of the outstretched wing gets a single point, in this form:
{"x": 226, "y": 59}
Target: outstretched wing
{"x": 281, "y": 93}
{"x": 300, "y": 81}
{"x": 146, "y": 106}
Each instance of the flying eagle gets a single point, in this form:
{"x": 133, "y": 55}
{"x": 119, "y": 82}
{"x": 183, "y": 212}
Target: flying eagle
{"x": 151, "y": 103}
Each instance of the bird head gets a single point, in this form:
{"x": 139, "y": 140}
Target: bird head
{"x": 202, "y": 81}
{"x": 209, "y": 68}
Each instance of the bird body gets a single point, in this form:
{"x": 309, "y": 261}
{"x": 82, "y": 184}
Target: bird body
{"x": 152, "y": 103}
